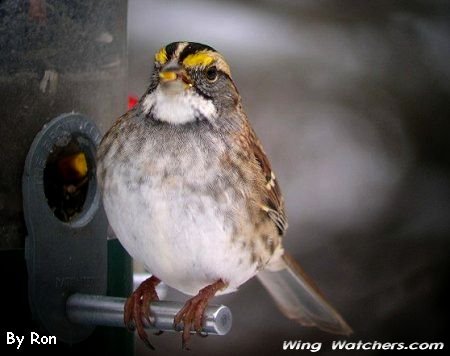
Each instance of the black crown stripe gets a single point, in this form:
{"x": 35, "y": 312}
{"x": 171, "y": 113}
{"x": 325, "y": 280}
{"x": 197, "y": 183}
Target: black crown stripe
{"x": 192, "y": 48}
{"x": 171, "y": 48}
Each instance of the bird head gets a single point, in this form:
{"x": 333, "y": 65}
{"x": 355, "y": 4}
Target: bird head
{"x": 190, "y": 82}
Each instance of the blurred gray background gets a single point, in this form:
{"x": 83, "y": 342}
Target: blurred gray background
{"x": 351, "y": 102}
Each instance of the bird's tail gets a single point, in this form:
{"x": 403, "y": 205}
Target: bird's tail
{"x": 298, "y": 298}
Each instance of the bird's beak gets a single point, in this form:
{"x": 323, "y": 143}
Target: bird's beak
{"x": 167, "y": 76}
{"x": 174, "y": 79}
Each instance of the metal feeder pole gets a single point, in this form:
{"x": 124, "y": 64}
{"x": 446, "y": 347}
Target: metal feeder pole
{"x": 108, "y": 311}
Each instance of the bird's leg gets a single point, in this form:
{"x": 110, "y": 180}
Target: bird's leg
{"x": 137, "y": 307}
{"x": 192, "y": 312}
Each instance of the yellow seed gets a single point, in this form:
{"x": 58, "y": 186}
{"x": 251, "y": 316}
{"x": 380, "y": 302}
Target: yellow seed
{"x": 81, "y": 164}
{"x": 73, "y": 167}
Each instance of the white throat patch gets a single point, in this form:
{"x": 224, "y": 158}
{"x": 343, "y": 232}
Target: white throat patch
{"x": 181, "y": 108}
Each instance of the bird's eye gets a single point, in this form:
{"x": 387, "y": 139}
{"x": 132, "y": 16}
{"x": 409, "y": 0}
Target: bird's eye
{"x": 211, "y": 73}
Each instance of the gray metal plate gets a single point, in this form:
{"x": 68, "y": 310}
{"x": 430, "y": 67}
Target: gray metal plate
{"x": 63, "y": 257}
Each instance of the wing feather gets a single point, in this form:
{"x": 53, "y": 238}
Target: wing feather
{"x": 274, "y": 202}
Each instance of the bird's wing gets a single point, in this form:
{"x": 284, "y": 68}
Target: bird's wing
{"x": 274, "y": 203}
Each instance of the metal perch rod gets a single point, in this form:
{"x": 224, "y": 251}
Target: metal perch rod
{"x": 108, "y": 311}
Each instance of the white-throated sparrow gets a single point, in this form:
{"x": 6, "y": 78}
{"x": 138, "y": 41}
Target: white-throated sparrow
{"x": 189, "y": 191}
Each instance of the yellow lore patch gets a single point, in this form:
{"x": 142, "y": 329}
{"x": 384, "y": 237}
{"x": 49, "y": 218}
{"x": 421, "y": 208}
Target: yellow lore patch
{"x": 161, "y": 56}
{"x": 199, "y": 59}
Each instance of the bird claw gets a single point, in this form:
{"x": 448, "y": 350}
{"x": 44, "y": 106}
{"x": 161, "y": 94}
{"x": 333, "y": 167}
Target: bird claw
{"x": 184, "y": 346}
{"x": 146, "y": 317}
{"x": 130, "y": 327}
{"x": 193, "y": 313}
{"x": 137, "y": 308}
{"x": 148, "y": 344}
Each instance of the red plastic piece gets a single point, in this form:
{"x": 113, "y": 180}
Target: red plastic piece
{"x": 132, "y": 101}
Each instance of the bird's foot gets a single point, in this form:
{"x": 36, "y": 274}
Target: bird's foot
{"x": 137, "y": 308}
{"x": 192, "y": 312}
